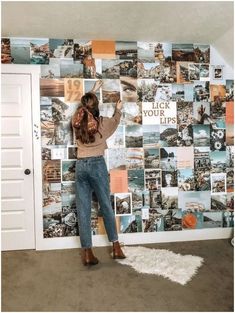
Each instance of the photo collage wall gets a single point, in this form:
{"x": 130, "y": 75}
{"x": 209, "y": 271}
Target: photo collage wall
{"x": 171, "y": 159}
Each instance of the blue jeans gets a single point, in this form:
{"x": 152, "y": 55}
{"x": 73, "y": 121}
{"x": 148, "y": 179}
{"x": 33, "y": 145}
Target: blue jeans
{"x": 92, "y": 175}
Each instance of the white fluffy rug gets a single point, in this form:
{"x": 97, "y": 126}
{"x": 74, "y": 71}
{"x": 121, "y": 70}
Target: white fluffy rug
{"x": 179, "y": 268}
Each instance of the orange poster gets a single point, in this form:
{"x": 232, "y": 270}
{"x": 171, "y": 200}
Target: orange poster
{"x": 103, "y": 49}
{"x": 101, "y": 227}
{"x": 73, "y": 89}
{"x": 230, "y": 112}
{"x": 118, "y": 181}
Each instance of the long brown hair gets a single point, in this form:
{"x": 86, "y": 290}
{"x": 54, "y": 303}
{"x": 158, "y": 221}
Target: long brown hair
{"x": 90, "y": 105}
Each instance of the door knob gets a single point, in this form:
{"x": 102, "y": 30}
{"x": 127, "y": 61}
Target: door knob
{"x": 27, "y": 171}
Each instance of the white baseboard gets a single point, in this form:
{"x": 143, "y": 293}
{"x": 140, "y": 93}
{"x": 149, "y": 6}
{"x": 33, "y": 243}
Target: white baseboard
{"x": 138, "y": 238}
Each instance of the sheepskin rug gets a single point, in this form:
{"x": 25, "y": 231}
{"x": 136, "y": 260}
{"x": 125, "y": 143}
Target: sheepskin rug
{"x": 174, "y": 266}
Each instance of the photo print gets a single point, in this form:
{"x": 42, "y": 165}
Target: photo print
{"x": 169, "y": 197}
{"x": 128, "y": 89}
{"x": 117, "y": 158}
{"x": 153, "y": 222}
{"x": 204, "y": 72}
{"x": 169, "y": 179}
{"x": 218, "y": 92}
{"x": 51, "y": 171}
{"x": 153, "y": 179}
{"x": 110, "y": 90}
{"x": 39, "y": 51}
{"x": 136, "y": 186}
{"x": 201, "y": 53}
{"x": 168, "y": 135}
{"x": 194, "y": 201}
{"x": 182, "y": 73}
{"x": 61, "y": 115}
{"x": 20, "y": 50}
{"x": 149, "y": 70}
{"x": 173, "y": 220}
{"x": 219, "y": 202}
{"x": 230, "y": 179}
{"x": 68, "y": 170}
{"x": 89, "y": 85}
{"x": 185, "y": 135}
{"x": 201, "y": 90}
{"x": 146, "y": 199}
{"x": 134, "y": 136}
{"x": 230, "y": 156}
{"x": 132, "y": 113}
{"x": 50, "y": 71}
{"x": 117, "y": 140}
{"x": 169, "y": 72}
{"x": 52, "y": 211}
{"x": 201, "y": 135}
{"x": 135, "y": 158}
{"x": 68, "y": 69}
{"x": 212, "y": 219}
{"x": 194, "y": 71}
{"x": 201, "y": 113}
{"x": 186, "y": 179}
{"x": 107, "y": 109}
{"x": 230, "y": 201}
{"x": 81, "y": 49}
{"x": 168, "y": 159}
{"x": 6, "y": 57}
{"x": 46, "y": 153}
{"x": 111, "y": 69}
{"x": 146, "y": 51}
{"x": 146, "y": 90}
{"x": 218, "y": 139}
{"x": 192, "y": 220}
{"x": 218, "y": 72}
{"x": 218, "y": 183}
{"x": 128, "y": 68}
{"x": 218, "y": 161}
{"x": 229, "y": 90}
{"x": 69, "y": 211}
{"x": 177, "y": 93}
{"x": 51, "y": 87}
{"x": 151, "y": 136}
{"x": 228, "y": 219}
{"x": 126, "y": 49}
{"x": 164, "y": 92}
{"x": 155, "y": 199}
{"x": 151, "y": 158}
{"x": 123, "y": 204}
{"x": 61, "y": 48}
{"x": 130, "y": 224}
{"x": 183, "y": 52}
{"x": 58, "y": 152}
{"x": 72, "y": 153}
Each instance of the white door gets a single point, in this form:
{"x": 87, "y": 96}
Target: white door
{"x": 17, "y": 163}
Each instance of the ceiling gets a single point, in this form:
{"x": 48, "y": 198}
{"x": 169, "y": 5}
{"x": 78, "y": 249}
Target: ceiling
{"x": 170, "y": 21}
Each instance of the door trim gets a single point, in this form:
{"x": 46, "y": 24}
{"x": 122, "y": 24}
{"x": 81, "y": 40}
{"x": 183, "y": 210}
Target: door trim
{"x": 34, "y": 72}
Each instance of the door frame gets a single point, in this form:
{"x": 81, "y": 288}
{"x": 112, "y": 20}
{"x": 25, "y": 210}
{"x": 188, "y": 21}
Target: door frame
{"x": 98, "y": 240}
{"x": 34, "y": 72}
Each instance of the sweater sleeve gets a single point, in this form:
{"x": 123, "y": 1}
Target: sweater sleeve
{"x": 110, "y": 124}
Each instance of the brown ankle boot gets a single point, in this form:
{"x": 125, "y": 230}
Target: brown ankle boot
{"x": 88, "y": 257}
{"x": 117, "y": 251}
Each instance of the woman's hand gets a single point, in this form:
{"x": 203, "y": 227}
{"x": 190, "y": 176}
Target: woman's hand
{"x": 119, "y": 105}
{"x": 97, "y": 85}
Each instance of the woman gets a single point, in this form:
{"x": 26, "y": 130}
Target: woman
{"x": 91, "y": 132}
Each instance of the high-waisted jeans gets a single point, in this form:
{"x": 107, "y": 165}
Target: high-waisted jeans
{"x": 92, "y": 175}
